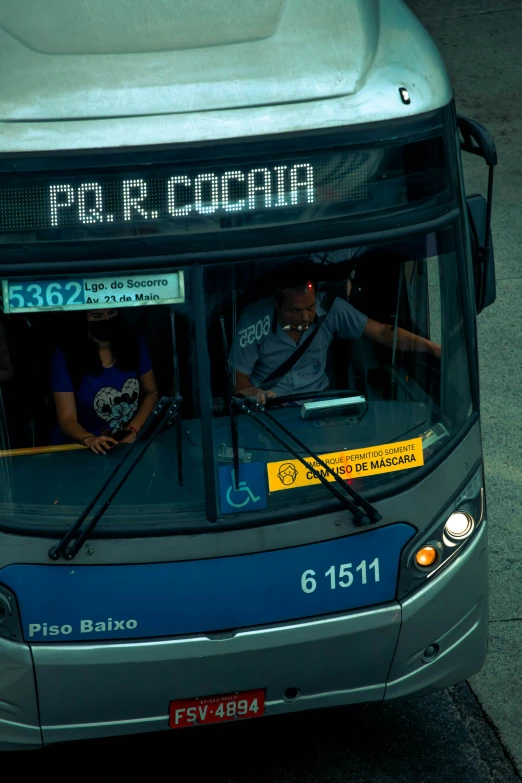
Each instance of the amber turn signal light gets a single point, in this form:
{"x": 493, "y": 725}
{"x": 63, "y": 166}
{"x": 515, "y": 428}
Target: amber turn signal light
{"x": 426, "y": 556}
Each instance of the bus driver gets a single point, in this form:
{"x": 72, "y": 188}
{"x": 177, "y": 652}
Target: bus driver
{"x": 270, "y": 332}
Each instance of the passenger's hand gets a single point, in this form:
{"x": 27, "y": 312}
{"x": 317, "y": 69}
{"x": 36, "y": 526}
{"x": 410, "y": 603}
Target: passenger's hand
{"x": 260, "y": 395}
{"x": 100, "y": 444}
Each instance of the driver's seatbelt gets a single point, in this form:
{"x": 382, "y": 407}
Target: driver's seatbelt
{"x": 292, "y": 360}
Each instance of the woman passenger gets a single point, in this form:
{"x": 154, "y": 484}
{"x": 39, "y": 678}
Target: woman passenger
{"x": 102, "y": 382}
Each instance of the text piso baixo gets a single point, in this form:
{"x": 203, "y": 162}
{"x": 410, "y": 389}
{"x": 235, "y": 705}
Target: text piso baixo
{"x": 86, "y": 626}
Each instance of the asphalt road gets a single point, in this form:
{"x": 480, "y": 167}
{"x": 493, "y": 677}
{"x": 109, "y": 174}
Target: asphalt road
{"x": 445, "y": 738}
{"x": 471, "y": 732}
{"x": 481, "y": 43}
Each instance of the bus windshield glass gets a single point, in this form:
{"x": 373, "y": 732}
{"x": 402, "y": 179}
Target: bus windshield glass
{"x": 360, "y": 353}
{"x": 85, "y": 362}
{"x": 383, "y": 385}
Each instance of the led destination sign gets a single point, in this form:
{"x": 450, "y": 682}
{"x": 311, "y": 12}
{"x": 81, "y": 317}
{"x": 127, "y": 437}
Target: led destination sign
{"x": 29, "y": 296}
{"x": 276, "y": 190}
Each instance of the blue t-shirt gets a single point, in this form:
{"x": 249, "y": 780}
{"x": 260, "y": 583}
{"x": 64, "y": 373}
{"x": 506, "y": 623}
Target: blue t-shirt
{"x": 105, "y": 402}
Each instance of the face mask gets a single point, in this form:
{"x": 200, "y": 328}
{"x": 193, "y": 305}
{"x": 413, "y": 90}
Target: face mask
{"x": 103, "y": 330}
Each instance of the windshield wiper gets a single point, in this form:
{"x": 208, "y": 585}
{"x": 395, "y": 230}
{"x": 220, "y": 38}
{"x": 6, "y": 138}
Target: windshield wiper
{"x": 362, "y": 511}
{"x": 164, "y": 414}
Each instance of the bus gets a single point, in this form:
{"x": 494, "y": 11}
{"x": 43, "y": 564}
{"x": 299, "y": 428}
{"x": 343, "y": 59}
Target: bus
{"x": 241, "y": 463}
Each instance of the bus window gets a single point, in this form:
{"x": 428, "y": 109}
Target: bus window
{"x": 84, "y": 383}
{"x": 380, "y": 324}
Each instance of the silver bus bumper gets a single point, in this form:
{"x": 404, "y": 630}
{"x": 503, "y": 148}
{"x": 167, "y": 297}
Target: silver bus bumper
{"x": 87, "y": 690}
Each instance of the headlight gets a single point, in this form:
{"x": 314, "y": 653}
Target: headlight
{"x": 436, "y": 547}
{"x": 459, "y": 526}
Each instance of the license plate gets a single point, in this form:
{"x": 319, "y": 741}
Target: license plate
{"x": 216, "y": 709}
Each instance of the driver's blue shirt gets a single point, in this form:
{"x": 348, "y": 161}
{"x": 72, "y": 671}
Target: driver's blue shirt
{"x": 258, "y": 349}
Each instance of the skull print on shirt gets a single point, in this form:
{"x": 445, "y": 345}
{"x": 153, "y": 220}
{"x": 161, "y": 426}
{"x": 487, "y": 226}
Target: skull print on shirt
{"x": 117, "y": 407}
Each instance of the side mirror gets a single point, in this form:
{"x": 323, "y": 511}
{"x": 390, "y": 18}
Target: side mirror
{"x": 476, "y": 140}
{"x": 482, "y": 250}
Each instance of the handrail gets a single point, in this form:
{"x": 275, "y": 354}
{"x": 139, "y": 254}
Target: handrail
{"x": 29, "y": 450}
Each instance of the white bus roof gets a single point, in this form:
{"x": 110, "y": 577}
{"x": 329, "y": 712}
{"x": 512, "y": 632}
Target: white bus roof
{"x": 129, "y": 73}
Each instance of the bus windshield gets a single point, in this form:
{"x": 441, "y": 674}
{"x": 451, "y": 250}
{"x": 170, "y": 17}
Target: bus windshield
{"x": 360, "y": 353}
{"x": 383, "y": 385}
{"x": 86, "y": 362}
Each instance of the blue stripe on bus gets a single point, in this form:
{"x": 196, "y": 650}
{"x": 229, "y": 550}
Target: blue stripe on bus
{"x": 89, "y": 603}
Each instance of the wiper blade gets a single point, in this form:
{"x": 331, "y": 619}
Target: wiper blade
{"x": 165, "y": 413}
{"x": 362, "y": 511}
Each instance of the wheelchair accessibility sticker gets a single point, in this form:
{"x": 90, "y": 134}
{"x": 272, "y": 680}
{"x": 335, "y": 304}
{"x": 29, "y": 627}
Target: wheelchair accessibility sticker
{"x": 250, "y": 494}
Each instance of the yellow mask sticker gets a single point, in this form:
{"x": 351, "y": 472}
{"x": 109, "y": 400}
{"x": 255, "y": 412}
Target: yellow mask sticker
{"x": 357, "y": 463}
